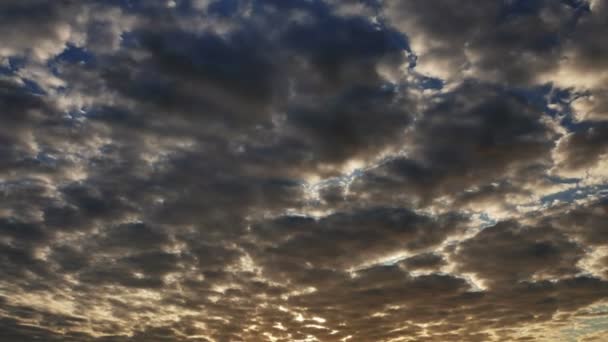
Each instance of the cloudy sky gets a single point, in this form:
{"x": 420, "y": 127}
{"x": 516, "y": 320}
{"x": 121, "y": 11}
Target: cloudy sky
{"x": 303, "y": 170}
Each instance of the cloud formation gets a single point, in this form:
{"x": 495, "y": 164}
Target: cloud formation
{"x": 266, "y": 170}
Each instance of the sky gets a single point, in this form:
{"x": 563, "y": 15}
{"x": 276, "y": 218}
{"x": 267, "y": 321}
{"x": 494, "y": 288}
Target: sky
{"x": 303, "y": 170}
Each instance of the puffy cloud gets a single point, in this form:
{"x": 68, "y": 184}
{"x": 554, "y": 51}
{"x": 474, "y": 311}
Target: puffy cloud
{"x": 474, "y": 144}
{"x": 582, "y": 154}
{"x": 511, "y": 41}
{"x": 523, "y": 253}
{"x": 256, "y": 170}
{"x": 347, "y": 240}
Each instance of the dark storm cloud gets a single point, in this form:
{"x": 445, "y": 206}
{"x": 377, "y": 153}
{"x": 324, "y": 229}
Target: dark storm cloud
{"x": 252, "y": 170}
{"x": 357, "y": 123}
{"x": 315, "y": 85}
{"x": 473, "y": 137}
{"x": 583, "y": 149}
{"x": 182, "y": 77}
{"x": 20, "y": 111}
{"x": 344, "y": 240}
{"x": 375, "y": 304}
{"x": 585, "y": 223}
{"x": 427, "y": 261}
{"x": 41, "y": 40}
{"x": 522, "y": 253}
{"x": 512, "y": 41}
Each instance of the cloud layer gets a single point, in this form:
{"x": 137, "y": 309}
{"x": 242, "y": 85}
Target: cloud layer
{"x": 266, "y": 170}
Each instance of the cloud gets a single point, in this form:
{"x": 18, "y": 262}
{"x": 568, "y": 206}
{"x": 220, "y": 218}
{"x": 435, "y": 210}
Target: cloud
{"x": 524, "y": 254}
{"x": 581, "y": 154}
{"x": 470, "y": 139}
{"x": 427, "y": 261}
{"x": 508, "y": 41}
{"x": 263, "y": 170}
{"x": 345, "y": 240}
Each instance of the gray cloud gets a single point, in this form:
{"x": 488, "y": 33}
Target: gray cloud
{"x": 471, "y": 139}
{"x": 523, "y": 253}
{"x": 262, "y": 170}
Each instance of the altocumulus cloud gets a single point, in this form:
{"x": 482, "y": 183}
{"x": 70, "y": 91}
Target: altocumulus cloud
{"x": 304, "y": 170}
